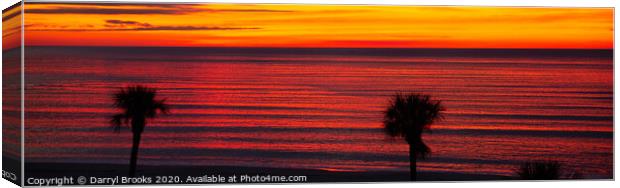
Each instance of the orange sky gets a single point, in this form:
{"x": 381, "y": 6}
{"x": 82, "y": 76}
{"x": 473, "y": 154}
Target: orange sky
{"x": 251, "y": 25}
{"x": 11, "y": 27}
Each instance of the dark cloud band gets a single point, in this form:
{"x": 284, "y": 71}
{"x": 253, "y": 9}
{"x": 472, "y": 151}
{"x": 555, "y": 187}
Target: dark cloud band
{"x": 73, "y": 10}
{"x": 155, "y": 28}
{"x": 134, "y": 9}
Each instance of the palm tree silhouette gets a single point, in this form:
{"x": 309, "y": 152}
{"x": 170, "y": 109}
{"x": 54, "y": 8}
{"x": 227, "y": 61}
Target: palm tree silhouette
{"x": 407, "y": 116}
{"x": 137, "y": 104}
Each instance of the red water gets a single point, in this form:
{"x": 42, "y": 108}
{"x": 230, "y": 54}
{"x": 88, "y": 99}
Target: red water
{"x": 324, "y": 111}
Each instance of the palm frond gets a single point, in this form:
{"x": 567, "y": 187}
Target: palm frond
{"x": 422, "y": 150}
{"x": 408, "y": 115}
{"x": 137, "y": 102}
{"x": 160, "y": 106}
{"x": 117, "y": 121}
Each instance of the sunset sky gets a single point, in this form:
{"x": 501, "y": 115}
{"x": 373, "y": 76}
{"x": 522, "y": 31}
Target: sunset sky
{"x": 250, "y": 25}
{"x": 11, "y": 27}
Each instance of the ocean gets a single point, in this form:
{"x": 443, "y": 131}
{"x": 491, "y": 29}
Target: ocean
{"x": 322, "y": 109}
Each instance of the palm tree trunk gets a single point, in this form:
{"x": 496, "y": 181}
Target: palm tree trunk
{"x": 134, "y": 154}
{"x": 413, "y": 173}
{"x": 137, "y": 126}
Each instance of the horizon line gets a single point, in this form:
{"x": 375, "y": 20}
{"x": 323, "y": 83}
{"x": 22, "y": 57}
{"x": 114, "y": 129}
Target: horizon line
{"x": 293, "y": 47}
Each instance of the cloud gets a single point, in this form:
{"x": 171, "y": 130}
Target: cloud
{"x": 6, "y": 17}
{"x": 78, "y": 10}
{"x": 158, "y": 28}
{"x": 248, "y": 10}
{"x": 128, "y": 25}
{"x": 10, "y": 31}
{"x": 186, "y": 28}
{"x": 112, "y": 9}
{"x": 121, "y": 23}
